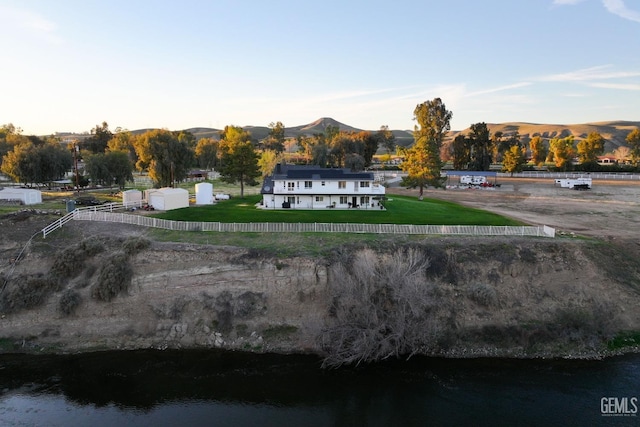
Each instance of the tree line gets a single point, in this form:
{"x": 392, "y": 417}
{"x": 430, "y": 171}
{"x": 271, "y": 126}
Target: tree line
{"x": 110, "y": 158}
{"x": 477, "y": 150}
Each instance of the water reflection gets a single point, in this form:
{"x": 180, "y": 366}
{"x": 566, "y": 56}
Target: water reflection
{"x": 225, "y": 388}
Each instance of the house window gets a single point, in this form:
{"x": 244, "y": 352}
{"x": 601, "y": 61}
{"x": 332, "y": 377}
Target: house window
{"x": 319, "y": 198}
{"x": 364, "y": 200}
{"x": 344, "y": 200}
{"x": 308, "y": 184}
{"x": 290, "y": 186}
{"x": 364, "y": 184}
{"x": 342, "y": 184}
{"x": 291, "y": 200}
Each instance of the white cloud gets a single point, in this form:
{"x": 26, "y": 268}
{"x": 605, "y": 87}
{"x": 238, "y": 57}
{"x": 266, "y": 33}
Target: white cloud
{"x": 618, "y": 7}
{"x": 566, "y": 2}
{"x": 620, "y": 86}
{"x": 601, "y": 72}
{"x": 499, "y": 89}
{"x": 29, "y": 22}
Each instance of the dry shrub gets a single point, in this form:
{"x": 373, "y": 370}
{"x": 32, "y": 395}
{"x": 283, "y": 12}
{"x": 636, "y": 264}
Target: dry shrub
{"x": 382, "y": 306}
{"x": 69, "y": 302}
{"x": 228, "y": 307}
{"x": 26, "y": 292}
{"x": 133, "y": 245}
{"x": 114, "y": 277}
{"x": 70, "y": 261}
{"x": 482, "y": 294}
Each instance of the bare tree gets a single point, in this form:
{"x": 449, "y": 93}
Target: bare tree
{"x": 382, "y": 306}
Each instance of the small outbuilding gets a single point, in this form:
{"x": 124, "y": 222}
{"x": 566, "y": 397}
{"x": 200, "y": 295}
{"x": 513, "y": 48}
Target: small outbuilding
{"x": 25, "y": 196}
{"x": 132, "y": 198}
{"x": 166, "y": 199}
{"x": 204, "y": 193}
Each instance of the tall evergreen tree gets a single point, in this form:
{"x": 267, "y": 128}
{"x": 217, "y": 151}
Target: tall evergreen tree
{"x": 422, "y": 161}
{"x": 240, "y": 164}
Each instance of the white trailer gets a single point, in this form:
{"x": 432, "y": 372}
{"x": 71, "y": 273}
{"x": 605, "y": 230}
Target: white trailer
{"x": 581, "y": 182}
{"x": 473, "y": 180}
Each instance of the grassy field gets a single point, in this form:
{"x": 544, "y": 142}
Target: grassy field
{"x": 399, "y": 210}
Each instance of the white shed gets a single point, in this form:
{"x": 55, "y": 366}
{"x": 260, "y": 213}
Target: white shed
{"x": 166, "y": 199}
{"x": 27, "y": 196}
{"x": 204, "y": 193}
{"x": 132, "y": 198}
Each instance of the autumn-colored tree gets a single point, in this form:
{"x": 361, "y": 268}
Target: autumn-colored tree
{"x": 633, "y": 139}
{"x": 10, "y": 137}
{"x": 563, "y": 150}
{"x": 268, "y": 161}
{"x": 207, "y": 153}
{"x": 514, "y": 159}
{"x": 123, "y": 141}
{"x": 590, "y": 148}
{"x": 423, "y": 165}
{"x": 538, "y": 149}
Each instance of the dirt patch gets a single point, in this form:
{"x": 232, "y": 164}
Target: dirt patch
{"x": 610, "y": 210}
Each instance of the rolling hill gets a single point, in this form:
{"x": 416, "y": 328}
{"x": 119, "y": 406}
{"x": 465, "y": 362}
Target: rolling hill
{"x": 614, "y": 132}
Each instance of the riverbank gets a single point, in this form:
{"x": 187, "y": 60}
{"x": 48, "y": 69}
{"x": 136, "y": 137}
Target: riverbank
{"x": 479, "y": 297}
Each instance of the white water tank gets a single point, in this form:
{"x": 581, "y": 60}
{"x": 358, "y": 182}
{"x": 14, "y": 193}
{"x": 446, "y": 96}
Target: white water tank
{"x": 204, "y": 193}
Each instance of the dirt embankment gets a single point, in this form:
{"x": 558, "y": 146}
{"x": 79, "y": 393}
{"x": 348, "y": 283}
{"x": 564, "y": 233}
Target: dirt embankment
{"x": 487, "y": 296}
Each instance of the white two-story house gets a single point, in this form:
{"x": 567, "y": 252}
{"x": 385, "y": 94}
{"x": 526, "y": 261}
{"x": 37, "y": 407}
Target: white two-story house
{"x": 313, "y": 187}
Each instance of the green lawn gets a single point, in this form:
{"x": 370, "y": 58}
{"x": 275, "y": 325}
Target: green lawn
{"x": 399, "y": 210}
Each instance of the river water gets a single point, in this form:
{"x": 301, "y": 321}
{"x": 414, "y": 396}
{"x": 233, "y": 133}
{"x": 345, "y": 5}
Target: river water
{"x": 216, "y": 388}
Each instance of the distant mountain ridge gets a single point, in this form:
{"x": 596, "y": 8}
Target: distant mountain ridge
{"x": 614, "y": 132}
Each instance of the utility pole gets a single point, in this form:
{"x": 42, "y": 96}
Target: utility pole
{"x": 76, "y": 149}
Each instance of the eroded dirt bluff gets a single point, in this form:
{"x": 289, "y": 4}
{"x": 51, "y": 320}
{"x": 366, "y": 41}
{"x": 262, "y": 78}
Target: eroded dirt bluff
{"x": 486, "y": 296}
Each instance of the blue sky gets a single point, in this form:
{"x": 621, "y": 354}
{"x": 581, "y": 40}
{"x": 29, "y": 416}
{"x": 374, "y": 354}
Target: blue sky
{"x": 69, "y": 65}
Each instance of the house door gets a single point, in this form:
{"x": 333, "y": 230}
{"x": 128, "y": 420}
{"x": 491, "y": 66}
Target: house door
{"x": 354, "y": 201}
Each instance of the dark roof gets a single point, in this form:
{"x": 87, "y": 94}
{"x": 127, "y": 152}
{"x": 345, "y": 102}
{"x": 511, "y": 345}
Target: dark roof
{"x": 471, "y": 173}
{"x": 285, "y": 171}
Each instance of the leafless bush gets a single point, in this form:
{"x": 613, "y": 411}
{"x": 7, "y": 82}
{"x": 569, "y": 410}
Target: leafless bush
{"x": 382, "y": 307}
{"x": 69, "y": 302}
{"x": 172, "y": 310}
{"x": 228, "y": 307}
{"x": 114, "y": 277}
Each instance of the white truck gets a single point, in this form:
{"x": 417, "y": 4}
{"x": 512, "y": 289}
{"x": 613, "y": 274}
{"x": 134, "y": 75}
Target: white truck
{"x": 473, "y": 180}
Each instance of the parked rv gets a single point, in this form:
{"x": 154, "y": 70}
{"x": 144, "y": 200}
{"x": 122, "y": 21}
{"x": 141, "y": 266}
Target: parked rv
{"x": 473, "y": 180}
